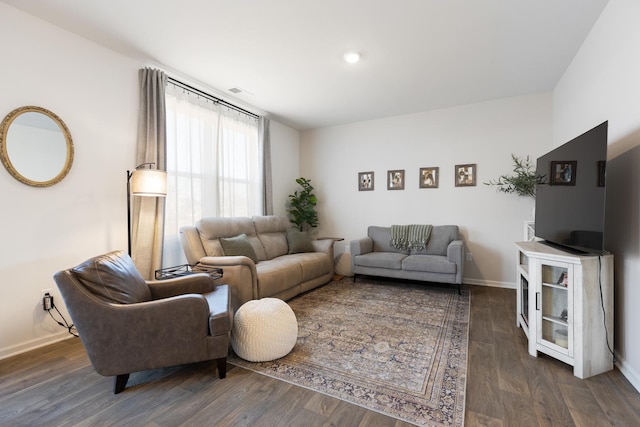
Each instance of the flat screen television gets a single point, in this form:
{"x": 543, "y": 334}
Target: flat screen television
{"x": 570, "y": 206}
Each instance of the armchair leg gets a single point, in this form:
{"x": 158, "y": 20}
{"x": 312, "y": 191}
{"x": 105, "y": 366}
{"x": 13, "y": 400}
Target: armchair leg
{"x": 222, "y": 367}
{"x": 121, "y": 383}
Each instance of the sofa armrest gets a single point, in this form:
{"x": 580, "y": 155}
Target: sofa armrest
{"x": 455, "y": 253}
{"x": 199, "y": 283}
{"x": 191, "y": 244}
{"x": 240, "y": 273}
{"x": 361, "y": 246}
{"x": 325, "y": 246}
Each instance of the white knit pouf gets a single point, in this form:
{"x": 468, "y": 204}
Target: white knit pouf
{"x": 264, "y": 330}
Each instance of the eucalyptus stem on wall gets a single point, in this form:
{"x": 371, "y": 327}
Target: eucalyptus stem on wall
{"x": 523, "y": 181}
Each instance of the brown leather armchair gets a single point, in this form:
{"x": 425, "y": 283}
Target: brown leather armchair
{"x": 127, "y": 324}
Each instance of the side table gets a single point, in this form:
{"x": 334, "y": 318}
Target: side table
{"x": 187, "y": 269}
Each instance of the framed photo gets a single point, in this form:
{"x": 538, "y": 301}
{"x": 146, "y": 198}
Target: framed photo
{"x": 365, "y": 181}
{"x": 395, "y": 180}
{"x": 429, "y": 177}
{"x": 602, "y": 172}
{"x": 465, "y": 175}
{"x": 563, "y": 172}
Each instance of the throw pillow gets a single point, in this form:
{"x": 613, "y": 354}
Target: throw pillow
{"x": 298, "y": 241}
{"x": 238, "y": 246}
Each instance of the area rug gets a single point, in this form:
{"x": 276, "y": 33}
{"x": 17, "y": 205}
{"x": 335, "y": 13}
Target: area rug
{"x": 396, "y": 348}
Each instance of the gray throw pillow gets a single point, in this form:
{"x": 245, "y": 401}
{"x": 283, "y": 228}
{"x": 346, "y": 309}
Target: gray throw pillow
{"x": 238, "y": 246}
{"x": 298, "y": 241}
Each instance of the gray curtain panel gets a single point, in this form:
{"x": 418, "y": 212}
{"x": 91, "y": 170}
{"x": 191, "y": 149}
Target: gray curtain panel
{"x": 266, "y": 158}
{"x": 148, "y": 212}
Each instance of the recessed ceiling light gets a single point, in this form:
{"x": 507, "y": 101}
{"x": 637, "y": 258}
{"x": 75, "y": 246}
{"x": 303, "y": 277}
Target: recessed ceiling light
{"x": 351, "y": 57}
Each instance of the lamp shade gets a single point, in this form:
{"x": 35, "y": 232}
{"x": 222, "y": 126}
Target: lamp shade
{"x": 149, "y": 182}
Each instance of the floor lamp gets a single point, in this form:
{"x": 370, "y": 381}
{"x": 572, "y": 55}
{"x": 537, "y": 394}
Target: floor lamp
{"x": 144, "y": 182}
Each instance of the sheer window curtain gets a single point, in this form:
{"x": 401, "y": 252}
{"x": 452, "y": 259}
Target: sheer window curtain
{"x": 215, "y": 165}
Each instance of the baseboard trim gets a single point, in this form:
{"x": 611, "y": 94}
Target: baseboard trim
{"x": 33, "y": 344}
{"x": 629, "y": 373}
{"x": 492, "y": 283}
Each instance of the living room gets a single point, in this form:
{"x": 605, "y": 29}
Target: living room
{"x": 95, "y": 91}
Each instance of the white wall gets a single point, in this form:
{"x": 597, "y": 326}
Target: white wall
{"x": 603, "y": 83}
{"x": 285, "y": 155}
{"x": 485, "y": 134}
{"x": 94, "y": 91}
{"x": 43, "y": 230}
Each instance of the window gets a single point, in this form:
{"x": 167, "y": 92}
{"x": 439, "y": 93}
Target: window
{"x": 214, "y": 165}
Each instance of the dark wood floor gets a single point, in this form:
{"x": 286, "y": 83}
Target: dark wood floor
{"x": 56, "y": 386}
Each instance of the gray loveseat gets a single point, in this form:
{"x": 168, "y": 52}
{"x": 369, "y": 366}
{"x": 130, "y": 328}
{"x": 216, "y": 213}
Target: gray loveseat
{"x": 280, "y": 262}
{"x": 442, "y": 260}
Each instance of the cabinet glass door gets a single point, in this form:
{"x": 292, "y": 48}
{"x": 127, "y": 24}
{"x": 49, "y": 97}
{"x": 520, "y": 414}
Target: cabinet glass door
{"x": 524, "y": 299}
{"x": 554, "y": 306}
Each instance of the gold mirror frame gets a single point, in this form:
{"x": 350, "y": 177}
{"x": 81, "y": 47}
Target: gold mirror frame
{"x": 4, "y": 153}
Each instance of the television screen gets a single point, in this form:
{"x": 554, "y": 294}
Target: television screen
{"x": 570, "y": 206}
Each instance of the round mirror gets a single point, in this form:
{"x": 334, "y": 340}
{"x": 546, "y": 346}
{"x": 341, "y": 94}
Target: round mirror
{"x": 35, "y": 146}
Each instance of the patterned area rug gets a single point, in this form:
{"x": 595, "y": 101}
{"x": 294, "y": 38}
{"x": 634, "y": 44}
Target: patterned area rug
{"x": 396, "y": 348}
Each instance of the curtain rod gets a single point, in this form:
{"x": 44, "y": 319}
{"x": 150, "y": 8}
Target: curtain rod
{"x": 211, "y": 97}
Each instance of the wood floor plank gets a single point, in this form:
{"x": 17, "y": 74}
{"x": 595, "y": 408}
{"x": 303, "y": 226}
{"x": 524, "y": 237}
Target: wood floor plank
{"x": 583, "y": 406}
{"x": 56, "y": 385}
{"x": 473, "y": 418}
{"x": 483, "y": 392}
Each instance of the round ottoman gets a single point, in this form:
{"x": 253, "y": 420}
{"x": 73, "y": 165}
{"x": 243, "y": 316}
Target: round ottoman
{"x": 264, "y": 330}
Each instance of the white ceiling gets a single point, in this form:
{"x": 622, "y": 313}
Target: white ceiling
{"x": 417, "y": 55}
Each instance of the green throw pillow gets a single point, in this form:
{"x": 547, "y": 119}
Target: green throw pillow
{"x": 298, "y": 241}
{"x": 238, "y": 245}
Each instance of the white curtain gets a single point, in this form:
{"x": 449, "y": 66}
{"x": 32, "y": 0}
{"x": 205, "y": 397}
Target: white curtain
{"x": 214, "y": 165}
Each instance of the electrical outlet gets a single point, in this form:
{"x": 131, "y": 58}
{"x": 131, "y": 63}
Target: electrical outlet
{"x": 347, "y": 249}
{"x": 46, "y": 299}
{"x": 469, "y": 256}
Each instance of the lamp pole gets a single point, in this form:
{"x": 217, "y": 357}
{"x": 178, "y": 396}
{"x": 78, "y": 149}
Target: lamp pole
{"x": 129, "y": 173}
{"x": 129, "y": 176}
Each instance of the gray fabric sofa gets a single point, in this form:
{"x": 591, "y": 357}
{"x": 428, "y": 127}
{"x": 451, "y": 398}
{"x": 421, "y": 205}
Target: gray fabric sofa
{"x": 283, "y": 267}
{"x": 442, "y": 260}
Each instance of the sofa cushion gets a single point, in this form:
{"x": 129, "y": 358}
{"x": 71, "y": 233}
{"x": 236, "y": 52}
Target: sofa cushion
{"x": 381, "y": 237}
{"x": 313, "y": 264}
{"x": 113, "y": 278}
{"x": 380, "y": 260}
{"x": 441, "y": 236}
{"x": 238, "y": 246}
{"x": 272, "y": 232}
{"x": 429, "y": 264}
{"x": 277, "y": 275}
{"x": 298, "y": 241}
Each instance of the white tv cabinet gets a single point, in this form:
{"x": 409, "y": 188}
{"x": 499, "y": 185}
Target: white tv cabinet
{"x": 563, "y": 303}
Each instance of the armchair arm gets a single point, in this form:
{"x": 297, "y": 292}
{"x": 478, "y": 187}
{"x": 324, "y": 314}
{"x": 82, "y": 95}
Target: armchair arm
{"x": 455, "y": 253}
{"x": 124, "y": 338}
{"x": 192, "y": 284}
{"x": 239, "y": 273}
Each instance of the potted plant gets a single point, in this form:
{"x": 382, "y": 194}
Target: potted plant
{"x": 302, "y": 208}
{"x": 523, "y": 181}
